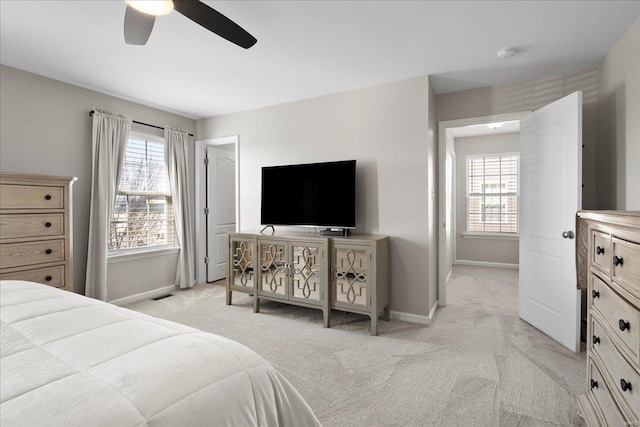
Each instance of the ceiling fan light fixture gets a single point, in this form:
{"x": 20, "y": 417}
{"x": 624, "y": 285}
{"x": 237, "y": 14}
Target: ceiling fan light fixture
{"x": 152, "y": 7}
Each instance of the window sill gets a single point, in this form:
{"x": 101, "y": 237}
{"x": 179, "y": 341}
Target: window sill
{"x": 494, "y": 236}
{"x": 134, "y": 254}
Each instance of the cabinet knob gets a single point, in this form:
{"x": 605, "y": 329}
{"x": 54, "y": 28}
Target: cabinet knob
{"x": 599, "y": 250}
{"x": 48, "y": 252}
{"x": 623, "y": 325}
{"x": 47, "y": 224}
{"x": 595, "y": 294}
{"x": 617, "y": 261}
{"x": 596, "y": 340}
{"x": 48, "y": 278}
{"x": 625, "y": 385}
{"x": 47, "y": 197}
{"x": 594, "y": 383}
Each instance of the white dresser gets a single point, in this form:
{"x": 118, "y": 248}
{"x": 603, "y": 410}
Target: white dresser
{"x": 612, "y": 395}
{"x": 36, "y": 227}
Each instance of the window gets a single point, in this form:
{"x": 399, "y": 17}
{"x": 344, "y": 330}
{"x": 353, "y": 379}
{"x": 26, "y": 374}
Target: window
{"x": 492, "y": 193}
{"x": 143, "y": 214}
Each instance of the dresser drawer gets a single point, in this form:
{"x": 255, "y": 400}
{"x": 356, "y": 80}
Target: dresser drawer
{"x": 600, "y": 394}
{"x": 627, "y": 270}
{"x": 19, "y": 254}
{"x": 52, "y": 276}
{"x": 31, "y": 197}
{"x": 601, "y": 251}
{"x": 617, "y": 368}
{"x": 621, "y": 318}
{"x": 31, "y": 225}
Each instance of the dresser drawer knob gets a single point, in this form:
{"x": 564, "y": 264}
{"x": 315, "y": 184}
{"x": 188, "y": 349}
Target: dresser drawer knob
{"x": 47, "y": 224}
{"x": 617, "y": 261}
{"x": 48, "y": 252}
{"x": 47, "y": 197}
{"x": 594, "y": 383}
{"x": 48, "y": 278}
{"x": 595, "y": 294}
{"x": 599, "y": 250}
{"x": 623, "y": 325}
{"x": 596, "y": 340}
{"x": 625, "y": 385}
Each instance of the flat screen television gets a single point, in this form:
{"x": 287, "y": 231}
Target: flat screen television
{"x": 313, "y": 195}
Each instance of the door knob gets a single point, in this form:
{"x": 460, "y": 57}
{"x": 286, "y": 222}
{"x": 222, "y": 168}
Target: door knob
{"x": 568, "y": 234}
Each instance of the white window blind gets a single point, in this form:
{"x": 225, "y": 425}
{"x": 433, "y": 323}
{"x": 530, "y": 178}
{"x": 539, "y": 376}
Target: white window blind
{"x": 143, "y": 213}
{"x": 492, "y": 193}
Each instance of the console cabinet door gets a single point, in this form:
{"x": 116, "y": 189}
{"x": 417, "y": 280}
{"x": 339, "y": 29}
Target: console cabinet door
{"x": 350, "y": 272}
{"x": 242, "y": 252}
{"x": 307, "y": 272}
{"x": 273, "y": 268}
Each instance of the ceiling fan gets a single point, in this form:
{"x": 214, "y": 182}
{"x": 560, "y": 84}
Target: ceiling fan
{"x": 141, "y": 15}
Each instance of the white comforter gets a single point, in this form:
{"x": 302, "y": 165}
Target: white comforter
{"x": 68, "y": 360}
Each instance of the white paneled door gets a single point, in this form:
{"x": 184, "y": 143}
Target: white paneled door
{"x": 551, "y": 194}
{"x": 221, "y": 207}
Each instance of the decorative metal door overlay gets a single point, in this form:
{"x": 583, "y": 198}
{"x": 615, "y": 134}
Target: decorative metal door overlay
{"x": 306, "y": 272}
{"x": 351, "y": 277}
{"x": 273, "y": 268}
{"x": 243, "y": 264}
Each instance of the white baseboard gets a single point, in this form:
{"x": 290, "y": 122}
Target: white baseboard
{"x": 144, "y": 295}
{"x": 415, "y": 318}
{"x": 486, "y": 264}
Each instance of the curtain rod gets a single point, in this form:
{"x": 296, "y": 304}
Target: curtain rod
{"x": 139, "y": 123}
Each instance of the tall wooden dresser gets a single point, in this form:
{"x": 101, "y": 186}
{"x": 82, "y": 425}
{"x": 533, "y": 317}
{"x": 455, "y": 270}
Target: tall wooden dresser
{"x": 613, "y": 319}
{"x": 36, "y": 242}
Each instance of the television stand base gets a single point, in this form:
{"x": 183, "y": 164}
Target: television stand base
{"x": 344, "y": 232}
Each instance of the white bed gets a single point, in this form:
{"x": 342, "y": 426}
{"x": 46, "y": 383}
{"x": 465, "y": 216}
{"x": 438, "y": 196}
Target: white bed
{"x": 70, "y": 360}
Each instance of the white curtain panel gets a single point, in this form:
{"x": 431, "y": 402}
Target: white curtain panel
{"x": 110, "y": 135}
{"x": 177, "y": 153}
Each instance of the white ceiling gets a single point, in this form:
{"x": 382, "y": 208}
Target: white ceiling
{"x": 307, "y": 48}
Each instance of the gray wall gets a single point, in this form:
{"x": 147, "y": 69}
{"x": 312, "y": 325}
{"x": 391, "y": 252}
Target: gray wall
{"x": 387, "y": 129}
{"x": 481, "y": 249}
{"x": 45, "y": 128}
{"x": 618, "y": 124}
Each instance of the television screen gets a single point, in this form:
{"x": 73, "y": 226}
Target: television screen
{"x": 316, "y": 194}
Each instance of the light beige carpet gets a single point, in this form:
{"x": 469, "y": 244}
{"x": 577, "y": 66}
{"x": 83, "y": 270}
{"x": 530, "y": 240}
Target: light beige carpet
{"x": 477, "y": 364}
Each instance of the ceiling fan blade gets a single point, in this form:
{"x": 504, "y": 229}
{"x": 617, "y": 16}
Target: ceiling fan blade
{"x": 214, "y": 21}
{"x": 137, "y": 26}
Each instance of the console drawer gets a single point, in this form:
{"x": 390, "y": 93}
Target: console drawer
{"x": 19, "y": 254}
{"x": 31, "y": 197}
{"x": 31, "y": 225}
{"x": 617, "y": 313}
{"x": 52, "y": 276}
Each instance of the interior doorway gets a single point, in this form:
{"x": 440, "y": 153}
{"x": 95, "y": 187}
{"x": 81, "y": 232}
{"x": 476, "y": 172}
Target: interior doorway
{"x": 217, "y": 204}
{"x": 449, "y": 204}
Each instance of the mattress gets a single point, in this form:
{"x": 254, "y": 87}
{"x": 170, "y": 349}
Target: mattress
{"x": 68, "y": 360}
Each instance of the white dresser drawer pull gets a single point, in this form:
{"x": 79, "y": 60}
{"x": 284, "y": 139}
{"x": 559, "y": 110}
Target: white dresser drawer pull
{"x": 595, "y": 294}
{"x": 594, "y": 383}
{"x": 596, "y": 340}
{"x": 617, "y": 261}
{"x": 625, "y": 385}
{"x": 623, "y": 325}
{"x": 599, "y": 250}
